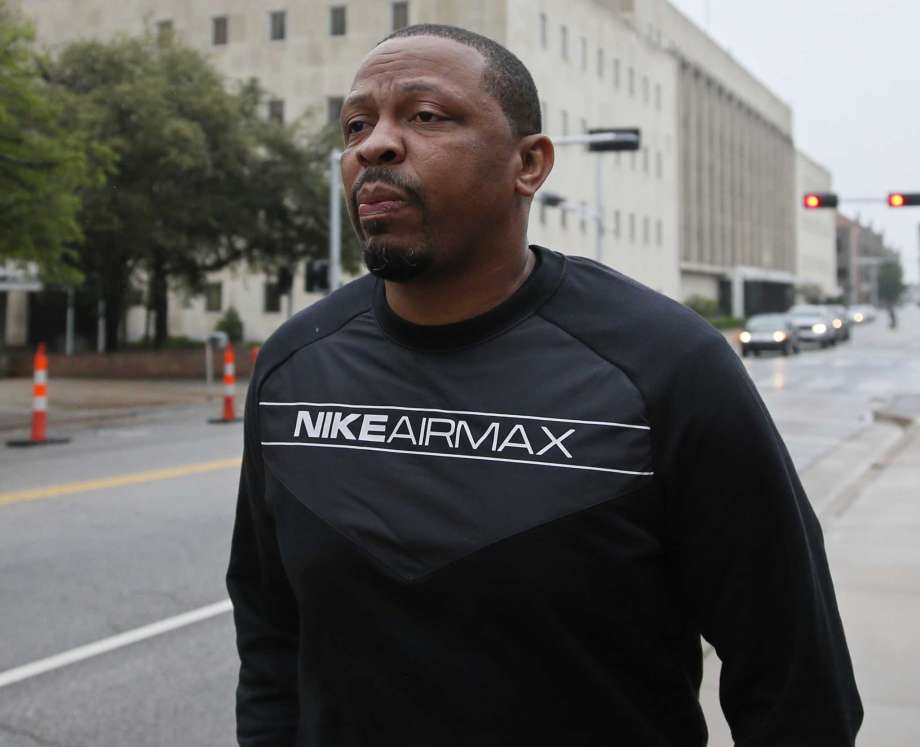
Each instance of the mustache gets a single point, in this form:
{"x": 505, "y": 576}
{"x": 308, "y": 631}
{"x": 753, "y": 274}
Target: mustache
{"x": 383, "y": 175}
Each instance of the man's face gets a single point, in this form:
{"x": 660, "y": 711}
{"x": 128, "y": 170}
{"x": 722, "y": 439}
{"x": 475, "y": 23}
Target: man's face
{"x": 429, "y": 157}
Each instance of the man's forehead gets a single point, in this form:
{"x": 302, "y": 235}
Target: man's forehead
{"x": 413, "y": 62}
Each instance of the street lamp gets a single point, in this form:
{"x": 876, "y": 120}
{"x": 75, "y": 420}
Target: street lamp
{"x": 598, "y": 140}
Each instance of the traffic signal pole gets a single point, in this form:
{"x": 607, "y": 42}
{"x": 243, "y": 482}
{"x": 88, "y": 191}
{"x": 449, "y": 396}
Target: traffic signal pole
{"x": 819, "y": 200}
{"x": 335, "y": 219}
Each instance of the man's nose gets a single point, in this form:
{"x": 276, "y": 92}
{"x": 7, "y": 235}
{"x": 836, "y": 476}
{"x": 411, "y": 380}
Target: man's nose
{"x": 384, "y": 145}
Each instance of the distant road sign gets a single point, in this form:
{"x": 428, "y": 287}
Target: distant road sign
{"x": 11, "y": 280}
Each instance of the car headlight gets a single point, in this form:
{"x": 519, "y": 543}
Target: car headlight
{"x": 837, "y": 323}
{"x": 779, "y": 336}
{"x": 858, "y": 317}
{"x": 745, "y": 336}
{"x": 819, "y": 329}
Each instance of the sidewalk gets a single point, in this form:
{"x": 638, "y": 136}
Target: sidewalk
{"x": 73, "y": 402}
{"x": 871, "y": 535}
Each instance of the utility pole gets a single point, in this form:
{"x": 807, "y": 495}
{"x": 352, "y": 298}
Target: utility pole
{"x": 335, "y": 220}
{"x": 69, "y": 329}
{"x": 100, "y": 326}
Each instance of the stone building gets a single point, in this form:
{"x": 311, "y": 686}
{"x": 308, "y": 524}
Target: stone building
{"x": 705, "y": 207}
{"x": 816, "y": 234}
{"x": 737, "y": 169}
{"x": 860, "y": 251}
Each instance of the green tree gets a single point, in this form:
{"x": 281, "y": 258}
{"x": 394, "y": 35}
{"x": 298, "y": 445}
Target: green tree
{"x": 202, "y": 179}
{"x": 46, "y": 160}
{"x": 890, "y": 282}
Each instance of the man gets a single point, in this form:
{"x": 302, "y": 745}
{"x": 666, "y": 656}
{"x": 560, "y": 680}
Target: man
{"x": 494, "y": 495}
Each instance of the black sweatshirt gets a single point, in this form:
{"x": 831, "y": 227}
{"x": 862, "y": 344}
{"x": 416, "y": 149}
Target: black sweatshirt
{"x": 513, "y": 530}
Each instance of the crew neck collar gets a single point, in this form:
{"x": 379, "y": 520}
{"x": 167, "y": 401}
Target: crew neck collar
{"x": 534, "y": 291}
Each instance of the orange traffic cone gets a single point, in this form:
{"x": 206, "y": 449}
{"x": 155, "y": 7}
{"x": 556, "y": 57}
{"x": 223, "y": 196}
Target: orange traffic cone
{"x": 39, "y": 403}
{"x": 229, "y": 416}
{"x": 40, "y": 395}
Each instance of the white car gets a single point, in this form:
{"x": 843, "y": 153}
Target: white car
{"x": 769, "y": 332}
{"x": 813, "y": 324}
{"x": 861, "y": 313}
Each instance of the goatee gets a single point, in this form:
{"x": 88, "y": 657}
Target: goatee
{"x": 397, "y": 264}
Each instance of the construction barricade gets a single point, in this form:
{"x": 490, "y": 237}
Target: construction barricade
{"x": 39, "y": 435}
{"x": 229, "y": 398}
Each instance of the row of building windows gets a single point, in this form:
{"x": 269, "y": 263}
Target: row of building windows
{"x": 271, "y": 295}
{"x": 601, "y": 64}
{"x": 276, "y": 110}
{"x": 277, "y": 23}
{"x": 615, "y": 227}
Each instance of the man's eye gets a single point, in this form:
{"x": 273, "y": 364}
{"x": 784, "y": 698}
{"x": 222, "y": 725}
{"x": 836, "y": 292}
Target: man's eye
{"x": 354, "y": 127}
{"x": 427, "y": 117}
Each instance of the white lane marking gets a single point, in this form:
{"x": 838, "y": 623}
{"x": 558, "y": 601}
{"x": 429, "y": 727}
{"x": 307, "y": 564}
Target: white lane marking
{"x": 80, "y": 653}
{"x": 453, "y": 412}
{"x": 457, "y": 456}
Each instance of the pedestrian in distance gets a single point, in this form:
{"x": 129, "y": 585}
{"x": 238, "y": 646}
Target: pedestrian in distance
{"x": 493, "y": 494}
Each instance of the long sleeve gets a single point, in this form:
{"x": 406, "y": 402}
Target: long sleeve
{"x": 750, "y": 559}
{"x": 264, "y": 610}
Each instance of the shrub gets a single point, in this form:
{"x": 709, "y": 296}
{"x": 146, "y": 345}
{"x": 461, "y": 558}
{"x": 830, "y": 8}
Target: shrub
{"x": 231, "y": 324}
{"x": 703, "y": 306}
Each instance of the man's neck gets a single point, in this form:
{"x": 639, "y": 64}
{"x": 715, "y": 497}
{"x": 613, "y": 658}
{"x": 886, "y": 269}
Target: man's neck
{"x": 465, "y": 295}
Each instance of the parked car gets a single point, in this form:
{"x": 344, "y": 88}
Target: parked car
{"x": 840, "y": 321}
{"x": 769, "y": 332}
{"x": 813, "y": 324}
{"x": 861, "y": 313}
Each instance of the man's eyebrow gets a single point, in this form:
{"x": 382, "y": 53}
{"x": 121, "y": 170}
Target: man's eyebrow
{"x": 412, "y": 86}
{"x": 356, "y": 99}
{"x": 419, "y": 86}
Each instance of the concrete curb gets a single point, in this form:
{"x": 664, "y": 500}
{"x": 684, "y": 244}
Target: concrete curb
{"x": 847, "y": 463}
{"x": 902, "y": 410}
{"x": 848, "y": 496}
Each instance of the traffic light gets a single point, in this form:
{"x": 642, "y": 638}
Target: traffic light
{"x": 627, "y": 138}
{"x": 815, "y": 200}
{"x": 317, "y": 279}
{"x": 903, "y": 199}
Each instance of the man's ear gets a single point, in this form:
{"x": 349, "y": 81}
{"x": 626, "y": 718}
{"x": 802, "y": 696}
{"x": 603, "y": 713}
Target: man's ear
{"x": 537, "y": 156}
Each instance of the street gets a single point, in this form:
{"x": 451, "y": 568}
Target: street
{"x": 84, "y": 563}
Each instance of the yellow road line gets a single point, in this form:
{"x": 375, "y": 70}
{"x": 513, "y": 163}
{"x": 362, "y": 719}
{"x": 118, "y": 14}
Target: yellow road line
{"x": 115, "y": 481}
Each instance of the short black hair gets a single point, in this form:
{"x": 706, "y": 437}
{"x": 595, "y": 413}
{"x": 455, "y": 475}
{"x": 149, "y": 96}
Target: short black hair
{"x": 505, "y": 77}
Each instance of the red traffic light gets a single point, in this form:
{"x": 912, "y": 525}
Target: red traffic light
{"x": 815, "y": 200}
{"x": 903, "y": 199}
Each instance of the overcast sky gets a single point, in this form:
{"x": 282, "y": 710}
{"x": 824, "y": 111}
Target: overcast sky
{"x": 849, "y": 69}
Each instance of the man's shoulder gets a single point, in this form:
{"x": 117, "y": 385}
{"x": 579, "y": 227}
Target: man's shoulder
{"x": 315, "y": 322}
{"x": 620, "y": 316}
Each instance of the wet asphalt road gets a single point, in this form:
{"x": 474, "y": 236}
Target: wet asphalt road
{"x": 84, "y": 566}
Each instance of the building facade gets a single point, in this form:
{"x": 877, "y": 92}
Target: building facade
{"x": 706, "y": 206}
{"x": 861, "y": 250}
{"x": 816, "y": 236}
{"x": 737, "y": 169}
